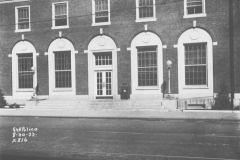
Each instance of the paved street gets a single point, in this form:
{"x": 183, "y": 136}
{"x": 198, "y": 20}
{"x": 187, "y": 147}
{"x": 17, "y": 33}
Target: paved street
{"x": 118, "y": 139}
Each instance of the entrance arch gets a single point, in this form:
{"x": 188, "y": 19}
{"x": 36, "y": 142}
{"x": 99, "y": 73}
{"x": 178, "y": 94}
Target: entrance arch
{"x": 102, "y": 68}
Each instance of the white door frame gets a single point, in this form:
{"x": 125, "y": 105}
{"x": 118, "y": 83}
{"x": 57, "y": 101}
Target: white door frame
{"x": 102, "y": 44}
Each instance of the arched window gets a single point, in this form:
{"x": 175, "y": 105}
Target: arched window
{"x": 146, "y": 65}
{"x": 61, "y": 59}
{"x": 23, "y": 77}
{"x": 195, "y": 63}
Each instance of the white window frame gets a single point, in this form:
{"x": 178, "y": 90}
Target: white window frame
{"x": 194, "y": 36}
{"x": 93, "y": 15}
{"x": 148, "y": 18}
{"x": 203, "y": 14}
{"x": 22, "y": 47}
{"x": 25, "y": 71}
{"x": 53, "y": 16}
{"x": 55, "y": 70}
{"x": 61, "y": 44}
{"x": 146, "y": 39}
{"x": 16, "y": 19}
{"x": 156, "y": 49}
{"x": 196, "y": 65}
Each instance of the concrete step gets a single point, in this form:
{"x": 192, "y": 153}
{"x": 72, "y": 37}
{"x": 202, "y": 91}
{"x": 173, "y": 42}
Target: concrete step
{"x": 100, "y": 105}
{"x": 95, "y": 103}
{"x": 102, "y": 109}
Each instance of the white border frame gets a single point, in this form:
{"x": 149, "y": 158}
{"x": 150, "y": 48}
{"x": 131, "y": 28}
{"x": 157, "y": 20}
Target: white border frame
{"x": 54, "y": 47}
{"x": 145, "y": 19}
{"x": 53, "y": 16}
{"x": 93, "y": 15}
{"x": 16, "y": 19}
{"x": 13, "y": 1}
{"x": 94, "y": 47}
{"x": 18, "y": 49}
{"x": 146, "y": 92}
{"x": 194, "y": 15}
{"x": 186, "y": 91}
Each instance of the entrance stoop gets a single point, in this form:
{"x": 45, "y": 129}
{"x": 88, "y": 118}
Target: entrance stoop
{"x": 105, "y": 105}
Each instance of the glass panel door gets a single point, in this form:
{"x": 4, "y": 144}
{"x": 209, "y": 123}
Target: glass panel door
{"x": 103, "y": 85}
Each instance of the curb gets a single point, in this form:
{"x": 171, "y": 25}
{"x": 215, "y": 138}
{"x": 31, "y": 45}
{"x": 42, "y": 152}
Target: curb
{"x": 212, "y": 111}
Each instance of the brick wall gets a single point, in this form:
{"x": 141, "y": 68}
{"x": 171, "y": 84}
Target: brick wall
{"x": 169, "y": 26}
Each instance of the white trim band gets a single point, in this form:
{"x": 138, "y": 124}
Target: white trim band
{"x": 13, "y": 1}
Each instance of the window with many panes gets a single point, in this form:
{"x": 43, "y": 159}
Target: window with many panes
{"x": 23, "y": 18}
{"x": 101, "y": 12}
{"x": 25, "y": 74}
{"x": 60, "y": 14}
{"x": 195, "y": 64}
{"x": 147, "y": 66}
{"x": 63, "y": 74}
{"x": 194, "y": 8}
{"x": 145, "y": 9}
{"x": 104, "y": 58}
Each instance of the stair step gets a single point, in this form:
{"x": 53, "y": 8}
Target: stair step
{"x": 98, "y": 105}
{"x": 99, "y": 109}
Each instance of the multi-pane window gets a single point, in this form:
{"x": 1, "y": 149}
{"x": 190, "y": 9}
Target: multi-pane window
{"x": 194, "y": 7}
{"x": 63, "y": 75}
{"x": 108, "y": 83}
{"x": 146, "y": 8}
{"x": 195, "y": 64}
{"x": 60, "y": 14}
{"x": 147, "y": 66}
{"x": 101, "y": 11}
{"x": 103, "y": 58}
{"x": 23, "y": 18}
{"x": 25, "y": 74}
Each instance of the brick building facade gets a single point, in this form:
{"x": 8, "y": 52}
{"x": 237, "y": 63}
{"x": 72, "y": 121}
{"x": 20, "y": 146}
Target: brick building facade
{"x": 89, "y": 48}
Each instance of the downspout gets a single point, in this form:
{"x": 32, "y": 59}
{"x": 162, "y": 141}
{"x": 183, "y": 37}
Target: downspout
{"x": 231, "y": 50}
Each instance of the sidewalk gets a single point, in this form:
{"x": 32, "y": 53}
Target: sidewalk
{"x": 77, "y": 113}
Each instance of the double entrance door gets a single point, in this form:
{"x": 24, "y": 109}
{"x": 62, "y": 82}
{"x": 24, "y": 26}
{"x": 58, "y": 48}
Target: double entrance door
{"x": 103, "y": 84}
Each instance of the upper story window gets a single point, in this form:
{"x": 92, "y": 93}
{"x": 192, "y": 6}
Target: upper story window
{"x": 60, "y": 15}
{"x": 22, "y": 18}
{"x": 101, "y": 12}
{"x": 194, "y": 8}
{"x": 146, "y": 10}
